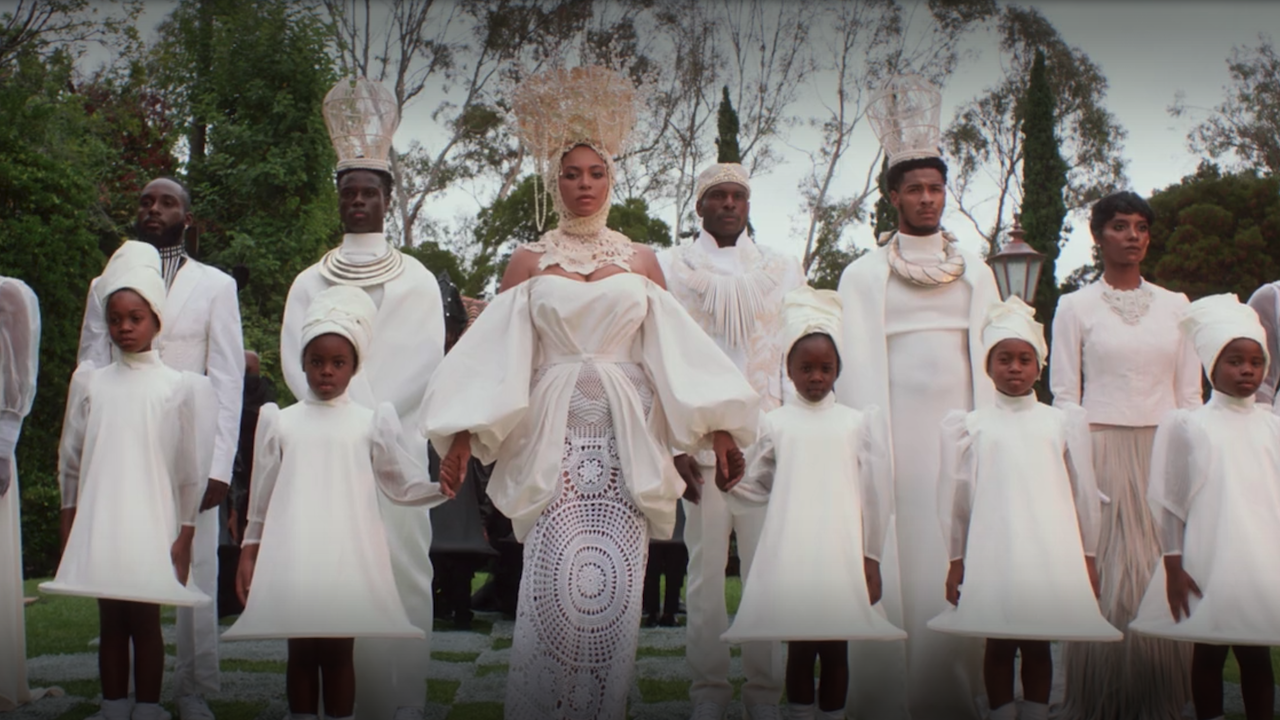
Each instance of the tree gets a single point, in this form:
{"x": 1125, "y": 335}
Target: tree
{"x": 885, "y": 214}
{"x": 1216, "y": 233}
{"x": 263, "y": 188}
{"x": 866, "y": 43}
{"x": 51, "y": 157}
{"x": 985, "y": 141}
{"x": 727, "y": 136}
{"x": 1044, "y": 178}
{"x": 68, "y": 26}
{"x": 1248, "y": 121}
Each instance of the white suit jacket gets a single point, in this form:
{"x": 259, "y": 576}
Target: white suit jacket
{"x": 201, "y": 334}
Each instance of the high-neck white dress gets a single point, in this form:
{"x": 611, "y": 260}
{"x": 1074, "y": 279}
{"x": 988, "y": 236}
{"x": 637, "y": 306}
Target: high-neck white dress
{"x": 579, "y": 392}
{"x": 1215, "y": 490}
{"x": 1018, "y": 503}
{"x": 825, "y": 473}
{"x": 137, "y": 444}
{"x": 324, "y": 569}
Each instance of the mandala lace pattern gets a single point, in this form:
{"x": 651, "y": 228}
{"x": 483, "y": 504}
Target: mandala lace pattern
{"x": 583, "y": 254}
{"x": 578, "y": 620}
{"x": 338, "y": 270}
{"x": 1130, "y": 305}
{"x": 943, "y": 272}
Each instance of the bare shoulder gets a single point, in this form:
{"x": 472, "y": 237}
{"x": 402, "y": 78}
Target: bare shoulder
{"x": 644, "y": 261}
{"x": 522, "y": 266}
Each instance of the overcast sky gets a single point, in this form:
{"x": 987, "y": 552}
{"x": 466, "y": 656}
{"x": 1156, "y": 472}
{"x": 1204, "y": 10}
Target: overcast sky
{"x": 1149, "y": 52}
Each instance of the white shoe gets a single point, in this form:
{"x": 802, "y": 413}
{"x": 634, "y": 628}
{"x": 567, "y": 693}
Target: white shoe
{"x": 708, "y": 711}
{"x": 407, "y": 712}
{"x": 763, "y": 712}
{"x": 153, "y": 711}
{"x": 802, "y": 712}
{"x": 114, "y": 710}
{"x": 192, "y": 707}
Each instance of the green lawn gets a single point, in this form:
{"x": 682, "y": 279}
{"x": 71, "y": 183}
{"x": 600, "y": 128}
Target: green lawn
{"x": 59, "y": 624}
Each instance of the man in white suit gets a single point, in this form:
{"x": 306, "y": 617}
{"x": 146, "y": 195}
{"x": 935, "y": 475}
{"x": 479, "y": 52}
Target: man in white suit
{"x": 202, "y": 334}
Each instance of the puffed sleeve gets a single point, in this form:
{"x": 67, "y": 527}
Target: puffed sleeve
{"x": 1065, "y": 354}
{"x": 267, "y": 454}
{"x": 698, "y": 386}
{"x": 399, "y": 473}
{"x": 482, "y": 385}
{"x": 19, "y": 363}
{"x": 1084, "y": 484}
{"x": 1266, "y": 302}
{"x": 956, "y": 481}
{"x": 1174, "y": 479}
{"x": 74, "y": 424}
{"x": 875, "y": 471}
{"x": 193, "y": 443}
{"x": 762, "y": 463}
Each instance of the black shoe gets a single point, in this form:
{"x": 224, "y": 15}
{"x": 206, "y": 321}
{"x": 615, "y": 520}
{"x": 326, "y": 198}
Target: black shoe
{"x": 667, "y": 620}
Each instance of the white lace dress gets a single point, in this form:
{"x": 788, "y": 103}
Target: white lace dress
{"x": 580, "y": 392}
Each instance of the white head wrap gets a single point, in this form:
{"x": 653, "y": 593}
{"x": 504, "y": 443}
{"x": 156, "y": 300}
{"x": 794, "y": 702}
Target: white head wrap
{"x": 1212, "y": 322}
{"x": 723, "y": 173}
{"x": 134, "y": 266}
{"x": 806, "y": 311}
{"x": 341, "y": 310}
{"x": 1013, "y": 319}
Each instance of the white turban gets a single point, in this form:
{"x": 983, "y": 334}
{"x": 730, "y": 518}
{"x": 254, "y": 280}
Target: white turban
{"x": 723, "y": 173}
{"x": 134, "y": 266}
{"x": 1013, "y": 319}
{"x": 806, "y": 311}
{"x": 1211, "y": 323}
{"x": 341, "y": 310}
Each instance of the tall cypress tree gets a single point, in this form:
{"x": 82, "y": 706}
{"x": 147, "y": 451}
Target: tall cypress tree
{"x": 1044, "y": 177}
{"x": 727, "y": 131}
{"x": 886, "y": 214}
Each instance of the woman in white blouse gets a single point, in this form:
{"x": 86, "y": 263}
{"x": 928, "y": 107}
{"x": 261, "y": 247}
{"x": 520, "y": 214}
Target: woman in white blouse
{"x": 1118, "y": 352}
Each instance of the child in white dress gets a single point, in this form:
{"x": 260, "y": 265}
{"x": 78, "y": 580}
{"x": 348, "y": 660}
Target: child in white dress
{"x": 1020, "y": 512}
{"x": 1215, "y": 492}
{"x": 824, "y": 471}
{"x": 137, "y": 444}
{"x": 315, "y": 566}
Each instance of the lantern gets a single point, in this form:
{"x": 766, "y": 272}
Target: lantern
{"x": 1017, "y": 266}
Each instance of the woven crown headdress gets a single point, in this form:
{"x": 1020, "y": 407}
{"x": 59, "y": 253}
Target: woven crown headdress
{"x": 560, "y": 108}
{"x": 906, "y": 115}
{"x": 362, "y": 118}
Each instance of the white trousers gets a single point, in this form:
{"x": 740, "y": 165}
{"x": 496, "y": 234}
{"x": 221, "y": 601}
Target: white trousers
{"x": 706, "y": 533}
{"x": 196, "y": 670}
{"x": 392, "y": 672}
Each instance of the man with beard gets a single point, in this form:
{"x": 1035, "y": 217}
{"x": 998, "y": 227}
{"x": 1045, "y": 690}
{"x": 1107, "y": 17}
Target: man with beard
{"x": 202, "y": 334}
{"x": 914, "y": 309}
{"x": 407, "y": 345}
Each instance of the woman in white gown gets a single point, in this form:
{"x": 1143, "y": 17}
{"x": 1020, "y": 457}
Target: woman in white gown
{"x": 1118, "y": 352}
{"x": 579, "y": 380}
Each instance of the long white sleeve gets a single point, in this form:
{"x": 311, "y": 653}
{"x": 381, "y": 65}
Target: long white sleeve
{"x": 875, "y": 471}
{"x": 75, "y": 422}
{"x": 1175, "y": 479}
{"x": 267, "y": 456}
{"x": 19, "y": 365}
{"x": 1084, "y": 484}
{"x": 225, "y": 370}
{"x": 1266, "y": 302}
{"x": 762, "y": 465}
{"x": 957, "y": 478}
{"x": 1065, "y": 355}
{"x": 197, "y": 414}
{"x": 401, "y": 476}
{"x": 95, "y": 339}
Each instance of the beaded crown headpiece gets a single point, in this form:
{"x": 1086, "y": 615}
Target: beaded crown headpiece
{"x": 362, "y": 117}
{"x": 906, "y": 115}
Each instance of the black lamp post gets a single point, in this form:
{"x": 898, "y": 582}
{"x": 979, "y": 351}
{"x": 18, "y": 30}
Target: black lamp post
{"x": 1017, "y": 266}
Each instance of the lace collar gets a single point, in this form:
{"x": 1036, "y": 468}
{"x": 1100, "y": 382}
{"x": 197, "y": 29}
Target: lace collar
{"x": 946, "y": 269}
{"x": 1130, "y": 305}
{"x": 387, "y": 263}
{"x": 583, "y": 254}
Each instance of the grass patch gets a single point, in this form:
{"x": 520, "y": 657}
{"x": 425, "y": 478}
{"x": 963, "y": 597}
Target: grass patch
{"x": 59, "y": 624}
{"x": 660, "y": 652}
{"x": 79, "y": 712}
{"x": 478, "y": 625}
{"x": 454, "y": 656}
{"x": 442, "y": 691}
{"x": 235, "y": 710}
{"x": 228, "y": 621}
{"x": 653, "y": 690}
{"x": 74, "y": 688}
{"x": 1231, "y": 673}
{"x": 476, "y": 711}
{"x": 501, "y": 643}
{"x": 254, "y": 666}
{"x": 732, "y": 594}
{"x": 493, "y": 669}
